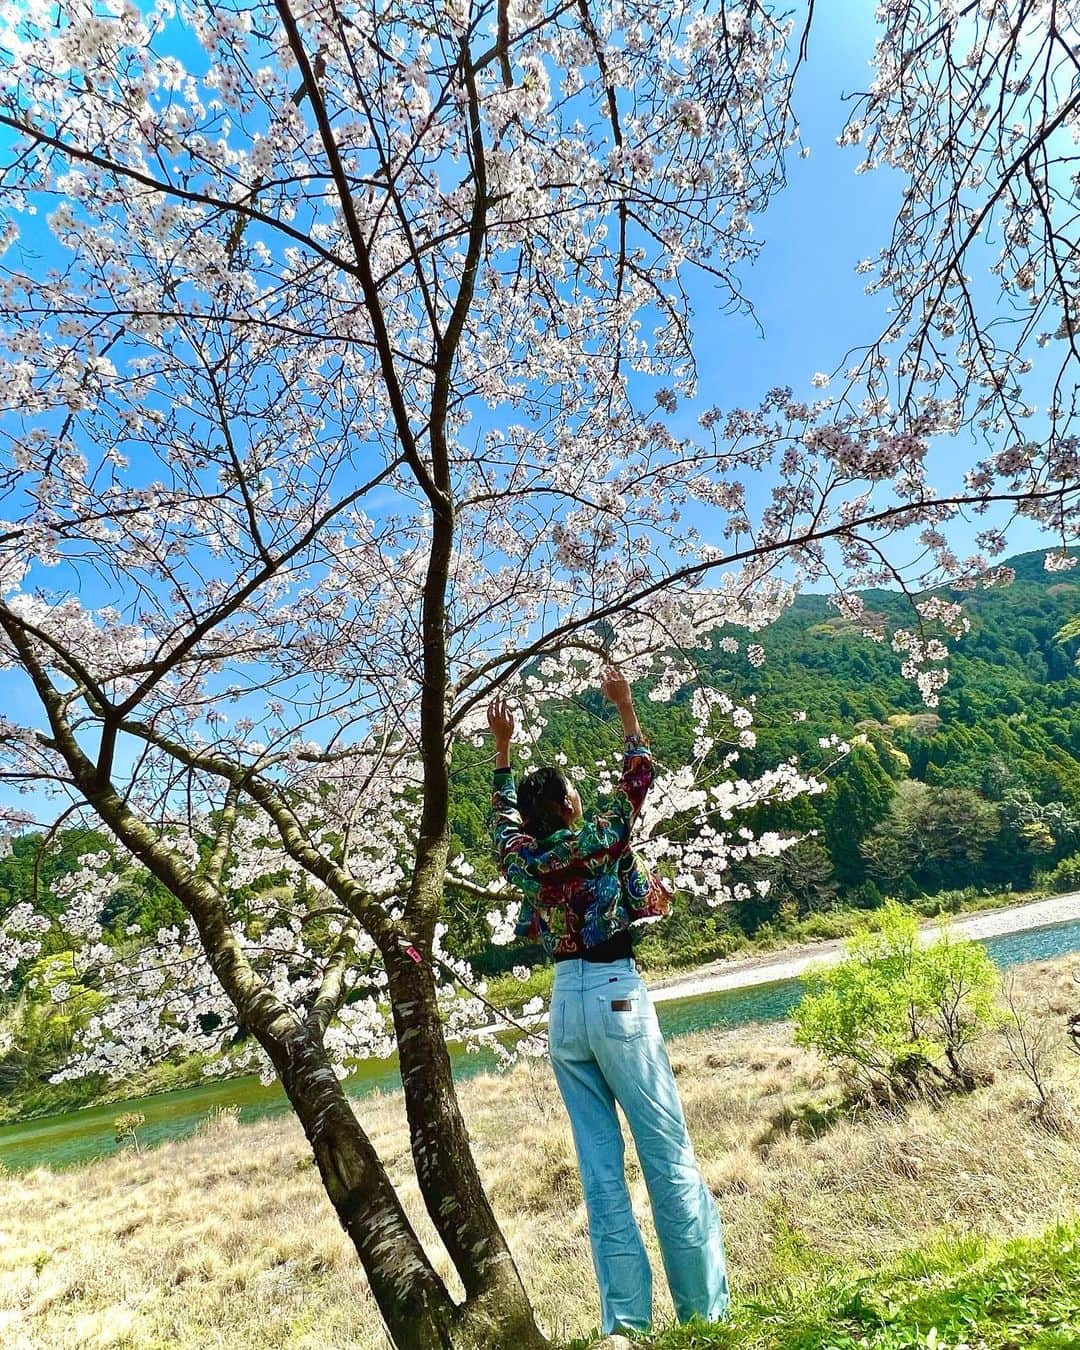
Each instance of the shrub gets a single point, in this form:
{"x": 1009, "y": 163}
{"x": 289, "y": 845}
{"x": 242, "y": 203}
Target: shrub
{"x": 866, "y": 895}
{"x": 826, "y": 927}
{"x": 959, "y": 985}
{"x": 127, "y": 1125}
{"x": 687, "y": 939}
{"x": 947, "y": 902}
{"x": 897, "y": 1017}
{"x": 1065, "y": 876}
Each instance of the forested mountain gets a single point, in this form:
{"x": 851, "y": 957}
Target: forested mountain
{"x": 983, "y": 790}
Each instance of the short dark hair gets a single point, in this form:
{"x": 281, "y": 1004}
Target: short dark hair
{"x": 541, "y": 794}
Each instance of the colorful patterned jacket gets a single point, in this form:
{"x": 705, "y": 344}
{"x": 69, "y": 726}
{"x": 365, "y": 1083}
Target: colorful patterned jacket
{"x": 580, "y": 886}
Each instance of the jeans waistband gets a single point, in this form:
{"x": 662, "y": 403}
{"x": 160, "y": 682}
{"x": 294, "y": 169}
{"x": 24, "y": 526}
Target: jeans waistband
{"x": 574, "y": 973}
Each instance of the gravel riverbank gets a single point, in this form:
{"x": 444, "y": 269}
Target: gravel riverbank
{"x": 791, "y": 962}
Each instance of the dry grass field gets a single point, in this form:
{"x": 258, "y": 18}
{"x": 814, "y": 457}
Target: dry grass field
{"x": 226, "y": 1239}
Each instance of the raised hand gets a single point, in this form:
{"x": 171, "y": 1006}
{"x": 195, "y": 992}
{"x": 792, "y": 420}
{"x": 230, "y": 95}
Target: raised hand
{"x": 614, "y": 687}
{"x": 501, "y": 721}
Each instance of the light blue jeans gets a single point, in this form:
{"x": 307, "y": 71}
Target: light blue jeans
{"x": 606, "y": 1047}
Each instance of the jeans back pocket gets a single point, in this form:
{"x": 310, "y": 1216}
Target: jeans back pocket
{"x": 625, "y": 1016}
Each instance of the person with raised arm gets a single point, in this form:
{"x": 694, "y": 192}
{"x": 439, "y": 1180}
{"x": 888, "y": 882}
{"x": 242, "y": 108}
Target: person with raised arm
{"x": 584, "y": 888}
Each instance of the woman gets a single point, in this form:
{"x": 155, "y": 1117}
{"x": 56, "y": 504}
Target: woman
{"x": 584, "y": 887}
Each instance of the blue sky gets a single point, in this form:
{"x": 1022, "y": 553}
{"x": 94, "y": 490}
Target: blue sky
{"x": 810, "y": 306}
{"x": 807, "y": 297}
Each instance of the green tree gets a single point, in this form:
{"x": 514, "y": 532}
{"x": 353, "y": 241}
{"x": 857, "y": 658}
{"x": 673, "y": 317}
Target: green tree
{"x": 802, "y": 878}
{"x": 898, "y": 1017}
{"x": 958, "y": 1001}
{"x": 859, "y": 798}
{"x": 933, "y": 837}
{"x": 127, "y": 1127}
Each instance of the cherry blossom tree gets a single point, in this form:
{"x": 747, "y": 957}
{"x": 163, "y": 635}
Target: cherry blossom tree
{"x": 341, "y": 351}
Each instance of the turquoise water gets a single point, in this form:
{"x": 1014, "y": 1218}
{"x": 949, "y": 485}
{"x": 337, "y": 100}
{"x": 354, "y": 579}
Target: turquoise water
{"x": 78, "y": 1136}
{"x": 771, "y": 1002}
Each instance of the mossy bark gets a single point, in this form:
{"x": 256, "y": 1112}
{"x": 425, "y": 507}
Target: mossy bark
{"x": 415, "y": 1305}
{"x": 496, "y": 1313}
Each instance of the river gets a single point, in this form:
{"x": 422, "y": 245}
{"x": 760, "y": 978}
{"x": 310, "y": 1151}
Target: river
{"x": 79, "y": 1136}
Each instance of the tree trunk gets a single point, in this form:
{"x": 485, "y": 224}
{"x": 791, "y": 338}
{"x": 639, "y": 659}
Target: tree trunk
{"x": 497, "y": 1314}
{"x": 417, "y": 1310}
{"x": 964, "y": 1078}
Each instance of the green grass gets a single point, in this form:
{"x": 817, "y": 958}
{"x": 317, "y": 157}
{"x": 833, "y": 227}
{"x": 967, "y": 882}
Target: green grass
{"x": 1018, "y": 1295}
